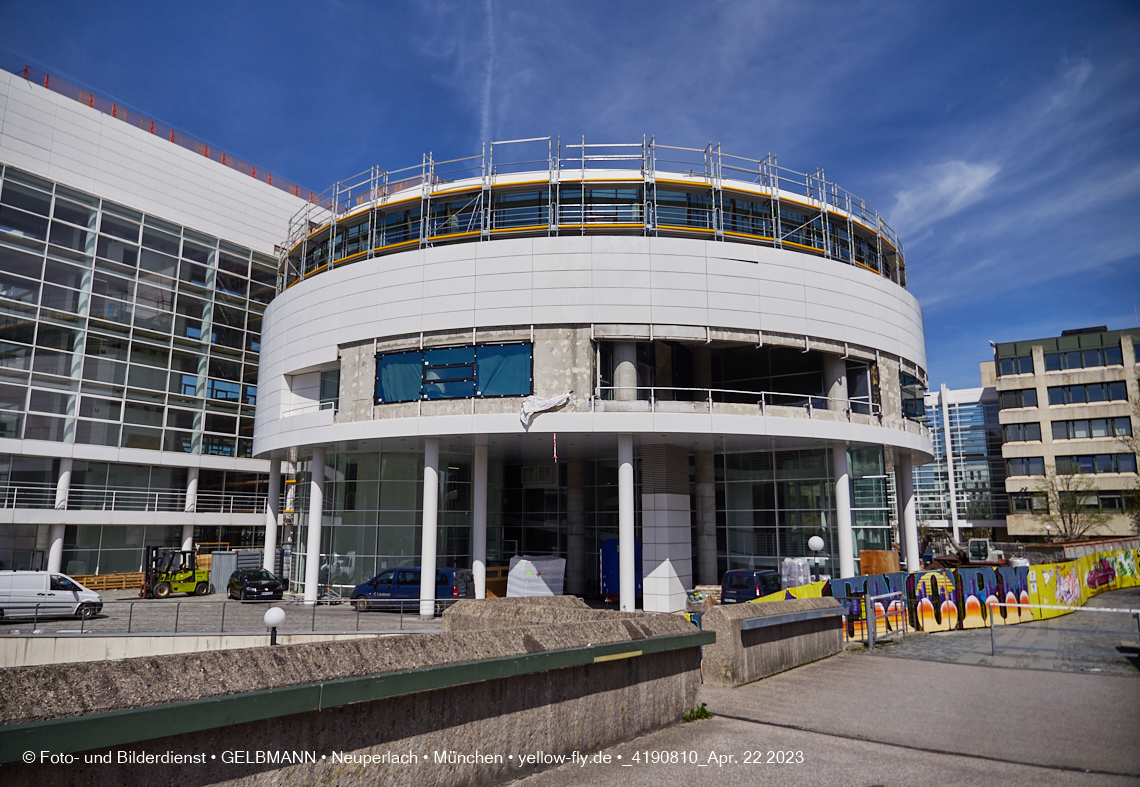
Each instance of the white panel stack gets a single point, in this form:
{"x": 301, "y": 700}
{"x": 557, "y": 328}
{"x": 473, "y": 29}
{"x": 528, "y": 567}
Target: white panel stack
{"x": 666, "y": 558}
{"x": 535, "y": 576}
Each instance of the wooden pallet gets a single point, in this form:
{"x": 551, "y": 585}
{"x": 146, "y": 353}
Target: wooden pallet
{"x": 127, "y": 580}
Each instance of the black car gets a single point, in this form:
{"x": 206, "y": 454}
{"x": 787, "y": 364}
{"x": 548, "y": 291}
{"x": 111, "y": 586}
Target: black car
{"x": 248, "y": 584}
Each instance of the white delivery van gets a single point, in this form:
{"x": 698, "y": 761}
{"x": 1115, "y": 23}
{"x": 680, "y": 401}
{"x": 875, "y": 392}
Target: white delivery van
{"x": 26, "y": 594}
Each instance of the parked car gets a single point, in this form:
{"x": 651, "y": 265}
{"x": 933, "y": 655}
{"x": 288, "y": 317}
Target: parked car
{"x": 746, "y": 584}
{"x": 45, "y": 594}
{"x": 403, "y": 585}
{"x": 1102, "y": 574}
{"x": 251, "y": 584}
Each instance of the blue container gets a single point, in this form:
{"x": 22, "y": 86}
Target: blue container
{"x": 611, "y": 577}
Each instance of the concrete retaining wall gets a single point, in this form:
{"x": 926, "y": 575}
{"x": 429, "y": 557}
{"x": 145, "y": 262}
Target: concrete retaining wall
{"x": 558, "y": 711}
{"x": 741, "y": 656}
{"x": 497, "y": 613}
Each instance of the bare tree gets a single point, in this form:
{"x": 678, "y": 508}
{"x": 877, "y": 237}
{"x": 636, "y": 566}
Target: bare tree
{"x": 1131, "y": 442}
{"x": 1074, "y": 511}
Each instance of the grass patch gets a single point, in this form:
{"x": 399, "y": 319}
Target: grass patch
{"x": 698, "y": 713}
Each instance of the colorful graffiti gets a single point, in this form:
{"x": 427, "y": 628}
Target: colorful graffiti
{"x": 973, "y": 596}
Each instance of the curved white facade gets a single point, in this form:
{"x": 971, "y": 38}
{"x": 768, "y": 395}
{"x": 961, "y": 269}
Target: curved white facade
{"x": 760, "y": 387}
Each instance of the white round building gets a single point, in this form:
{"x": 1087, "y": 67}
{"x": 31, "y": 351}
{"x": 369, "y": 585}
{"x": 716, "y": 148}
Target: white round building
{"x": 707, "y": 357}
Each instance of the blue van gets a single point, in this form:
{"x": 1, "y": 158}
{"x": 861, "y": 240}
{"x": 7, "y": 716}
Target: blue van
{"x": 747, "y": 584}
{"x": 398, "y": 586}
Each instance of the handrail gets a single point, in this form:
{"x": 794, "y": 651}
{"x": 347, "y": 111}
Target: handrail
{"x": 763, "y": 399}
{"x": 826, "y": 224}
{"x": 119, "y": 112}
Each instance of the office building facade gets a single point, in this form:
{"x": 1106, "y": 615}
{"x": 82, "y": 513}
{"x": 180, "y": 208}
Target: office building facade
{"x": 964, "y": 486}
{"x": 135, "y": 267}
{"x": 1067, "y": 408}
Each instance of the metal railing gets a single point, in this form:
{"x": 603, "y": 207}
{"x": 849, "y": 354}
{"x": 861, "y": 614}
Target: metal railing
{"x": 863, "y": 610}
{"x": 119, "y": 112}
{"x": 211, "y": 616}
{"x": 1135, "y": 613}
{"x": 753, "y": 200}
{"x": 81, "y": 498}
{"x": 652, "y": 395}
{"x": 28, "y": 495}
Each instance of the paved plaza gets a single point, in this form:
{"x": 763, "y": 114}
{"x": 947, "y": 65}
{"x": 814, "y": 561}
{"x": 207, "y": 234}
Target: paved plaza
{"x": 933, "y": 709}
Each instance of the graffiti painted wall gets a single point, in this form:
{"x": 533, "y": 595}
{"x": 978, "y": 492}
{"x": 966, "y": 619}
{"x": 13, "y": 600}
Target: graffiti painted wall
{"x": 973, "y": 596}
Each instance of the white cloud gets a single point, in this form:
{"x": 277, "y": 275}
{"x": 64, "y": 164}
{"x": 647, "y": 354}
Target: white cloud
{"x": 944, "y": 189}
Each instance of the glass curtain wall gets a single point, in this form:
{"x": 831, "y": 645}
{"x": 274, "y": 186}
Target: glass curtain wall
{"x": 118, "y": 328}
{"x": 769, "y": 503}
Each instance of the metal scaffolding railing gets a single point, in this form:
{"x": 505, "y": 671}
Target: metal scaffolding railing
{"x": 119, "y": 112}
{"x": 544, "y": 186}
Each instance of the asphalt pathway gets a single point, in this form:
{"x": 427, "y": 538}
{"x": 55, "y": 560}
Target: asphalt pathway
{"x": 933, "y": 709}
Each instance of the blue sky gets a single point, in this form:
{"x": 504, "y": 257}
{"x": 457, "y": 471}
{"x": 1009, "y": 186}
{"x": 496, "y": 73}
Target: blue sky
{"x": 1001, "y": 140}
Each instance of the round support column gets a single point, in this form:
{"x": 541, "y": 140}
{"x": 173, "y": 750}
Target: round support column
{"x": 431, "y": 520}
{"x": 55, "y": 549}
{"x": 191, "y": 490}
{"x": 316, "y": 517}
{"x": 843, "y": 533}
{"x": 904, "y": 483}
{"x": 627, "y": 554}
{"x": 272, "y": 513}
{"x": 479, "y": 522}
{"x": 625, "y": 371}
{"x": 187, "y": 538}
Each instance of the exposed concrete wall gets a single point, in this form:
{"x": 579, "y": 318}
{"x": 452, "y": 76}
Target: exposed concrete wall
{"x": 890, "y": 395}
{"x": 740, "y": 656}
{"x": 357, "y": 382}
{"x": 496, "y": 613}
{"x": 564, "y": 361}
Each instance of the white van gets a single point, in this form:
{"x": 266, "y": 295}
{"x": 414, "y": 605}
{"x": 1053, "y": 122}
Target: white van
{"x": 26, "y": 594}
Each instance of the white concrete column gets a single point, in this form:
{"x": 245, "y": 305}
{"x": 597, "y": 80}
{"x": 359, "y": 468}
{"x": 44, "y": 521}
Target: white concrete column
{"x": 835, "y": 381}
{"x": 843, "y": 534}
{"x": 627, "y": 555}
{"x": 904, "y": 484}
{"x": 191, "y": 490}
{"x": 948, "y": 441}
{"x": 63, "y": 484}
{"x": 431, "y": 521}
{"x": 55, "y": 549}
{"x": 706, "y": 518}
{"x": 625, "y": 371}
{"x": 272, "y": 511}
{"x": 316, "y": 518}
{"x": 479, "y": 522}
{"x": 576, "y": 526}
{"x": 187, "y": 538}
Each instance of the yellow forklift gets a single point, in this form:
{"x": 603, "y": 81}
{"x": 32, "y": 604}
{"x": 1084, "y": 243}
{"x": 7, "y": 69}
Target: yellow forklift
{"x": 170, "y": 570}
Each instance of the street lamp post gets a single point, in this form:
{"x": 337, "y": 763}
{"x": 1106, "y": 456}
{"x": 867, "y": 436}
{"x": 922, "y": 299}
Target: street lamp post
{"x": 816, "y": 544}
{"x": 274, "y": 617}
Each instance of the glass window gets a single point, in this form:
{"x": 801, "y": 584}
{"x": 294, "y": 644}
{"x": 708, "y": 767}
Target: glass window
{"x": 1080, "y": 430}
{"x": 1118, "y": 391}
{"x": 1098, "y": 427}
{"x": 25, "y": 198}
{"x": 399, "y": 377}
{"x": 503, "y": 370}
{"x": 1103, "y": 463}
{"x": 1091, "y": 358}
{"x": 1126, "y": 463}
{"x": 1035, "y": 465}
{"x": 1052, "y": 362}
{"x": 18, "y": 262}
{"x": 1071, "y": 360}
{"x": 92, "y": 407}
{"x": 76, "y": 214}
{"x": 1122, "y": 427}
{"x": 1113, "y": 356}
{"x": 23, "y": 223}
{"x": 1060, "y": 430}
{"x": 222, "y": 389}
{"x": 97, "y": 433}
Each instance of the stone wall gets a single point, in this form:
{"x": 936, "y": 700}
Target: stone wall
{"x": 741, "y": 656}
{"x": 558, "y": 711}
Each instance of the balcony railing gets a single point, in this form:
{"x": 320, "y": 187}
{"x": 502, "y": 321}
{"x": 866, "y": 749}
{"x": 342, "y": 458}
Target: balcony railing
{"x": 654, "y": 396}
